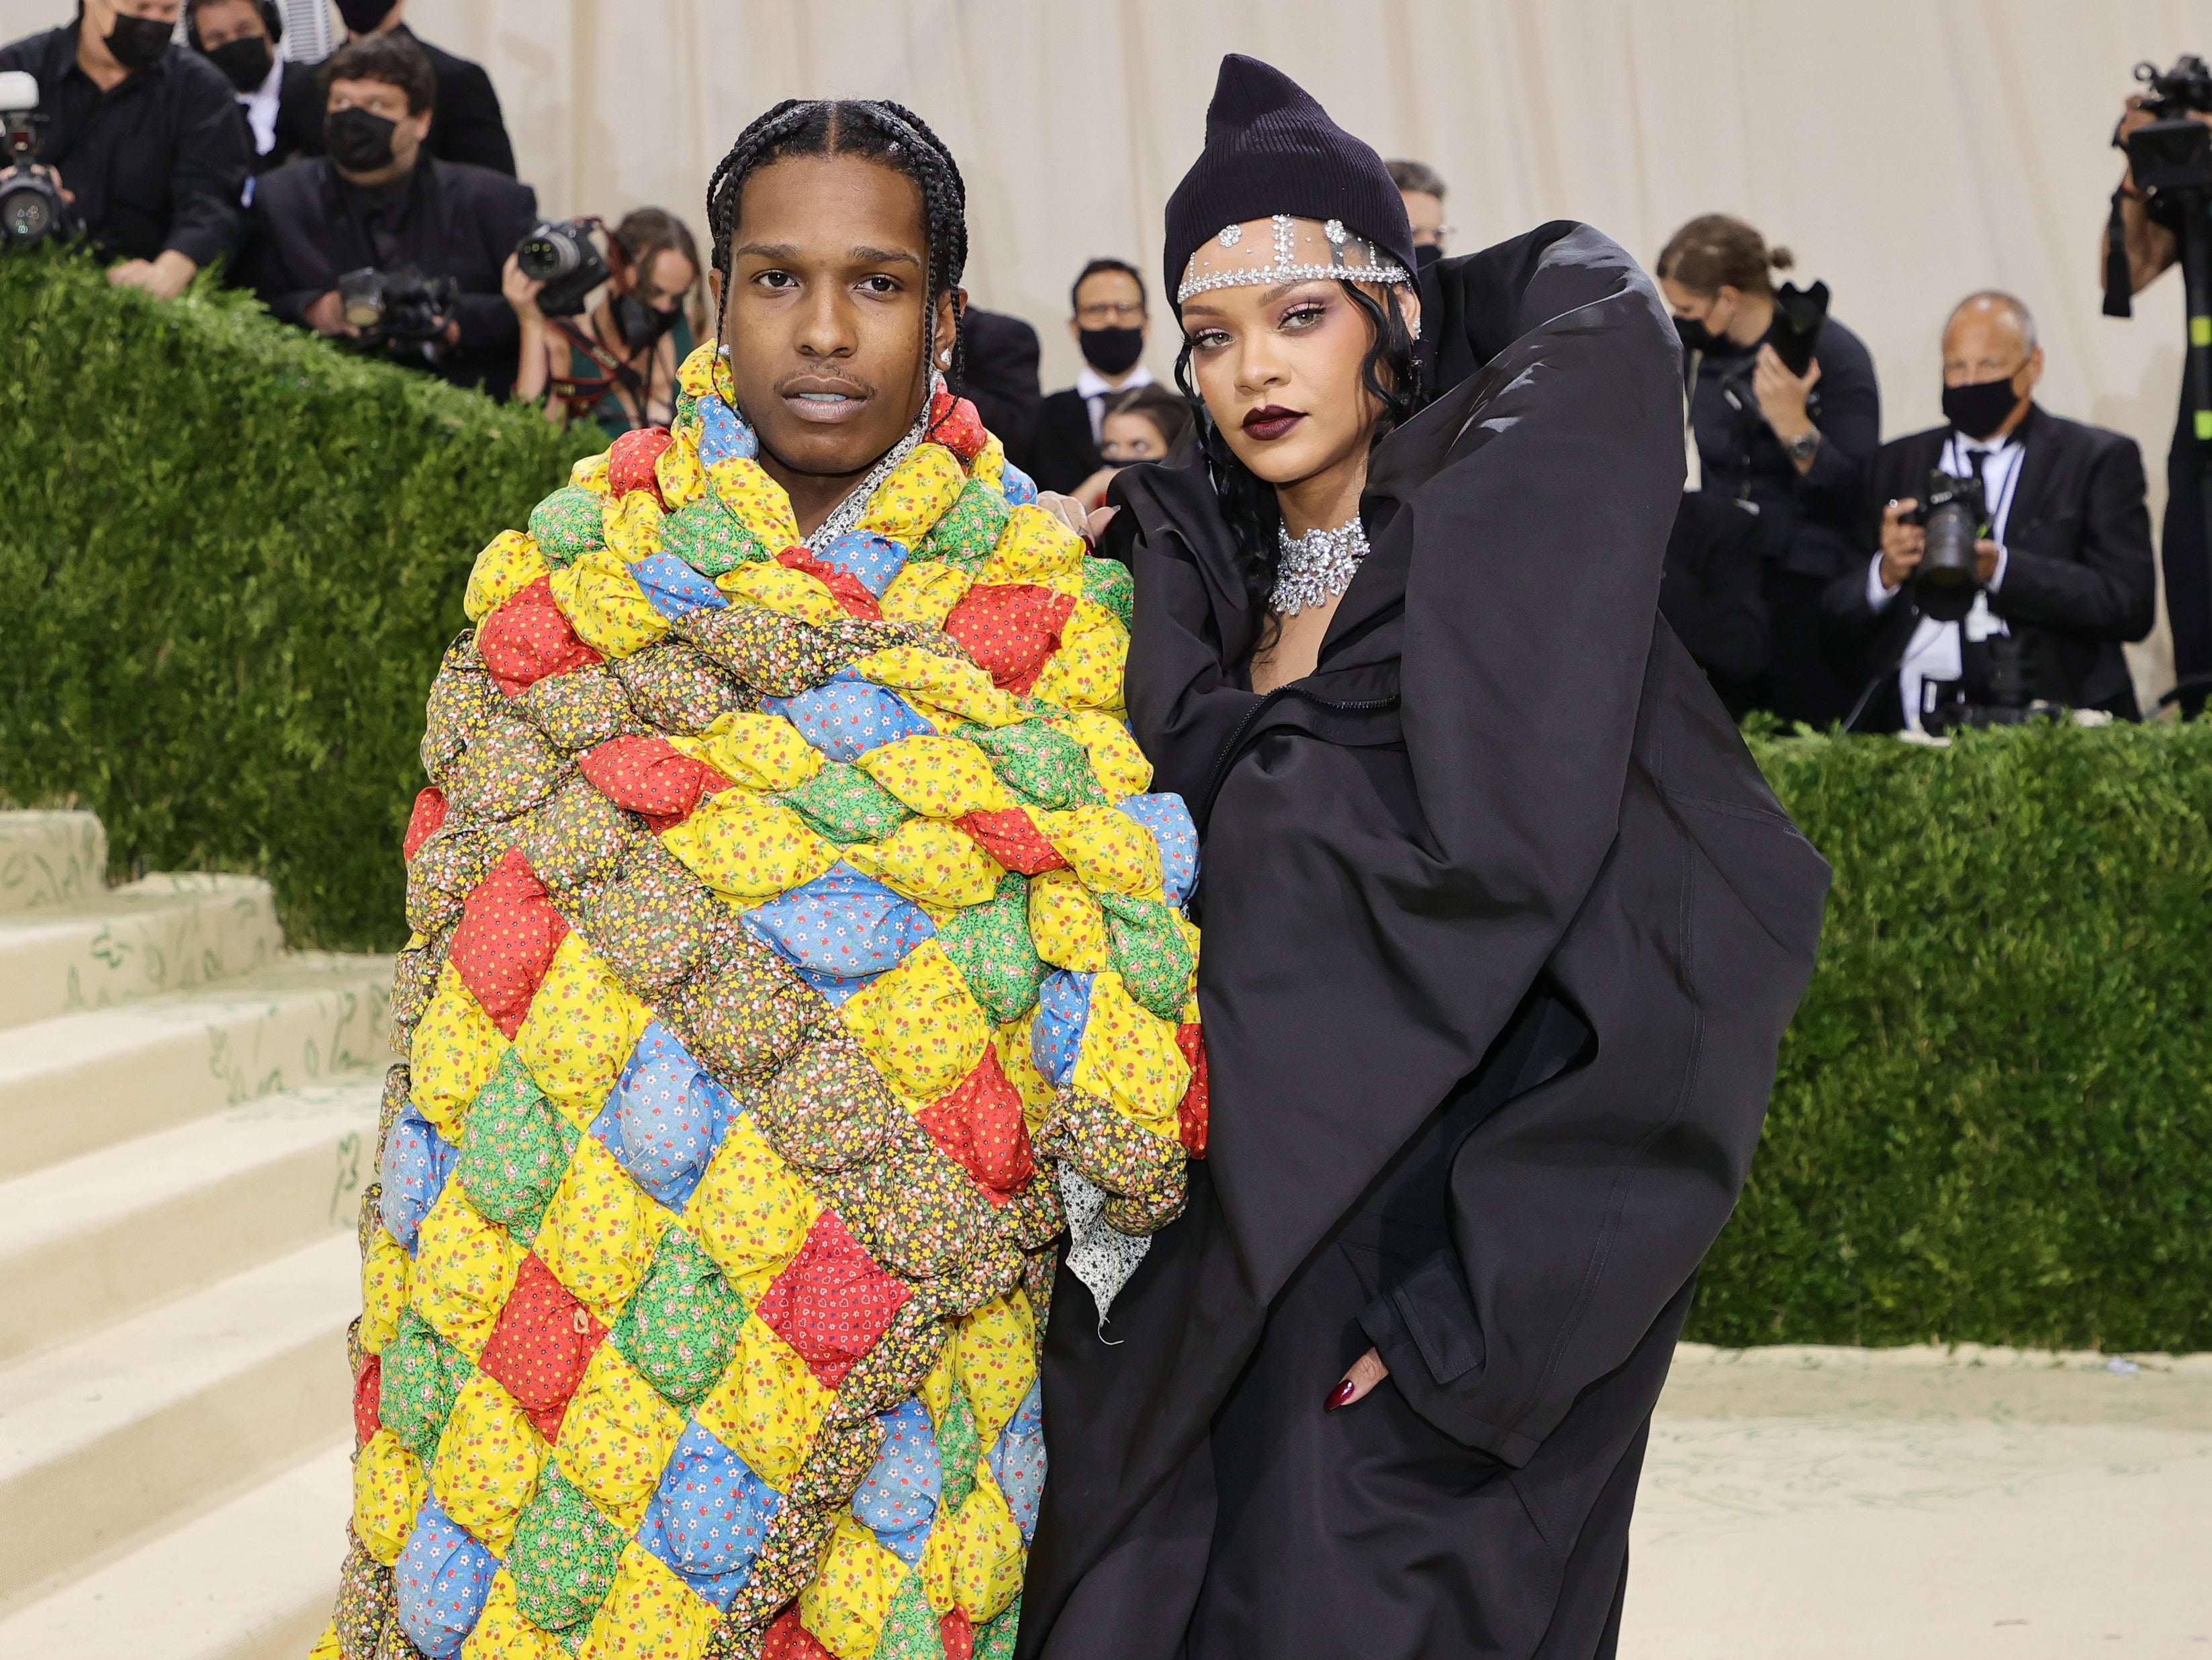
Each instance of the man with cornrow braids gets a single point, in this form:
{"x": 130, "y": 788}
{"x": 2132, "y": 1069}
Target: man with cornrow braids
{"x": 798, "y": 954}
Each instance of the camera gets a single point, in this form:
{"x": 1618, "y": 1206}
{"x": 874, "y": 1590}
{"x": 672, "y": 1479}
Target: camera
{"x": 1945, "y": 707}
{"x": 399, "y": 304}
{"x": 32, "y": 207}
{"x": 563, "y": 256}
{"x": 1954, "y": 513}
{"x": 2174, "y": 154}
{"x": 1798, "y": 316}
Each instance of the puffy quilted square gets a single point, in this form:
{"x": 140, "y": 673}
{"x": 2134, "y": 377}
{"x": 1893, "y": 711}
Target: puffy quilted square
{"x": 919, "y": 488}
{"x": 1120, "y": 765}
{"x": 424, "y": 819}
{"x": 617, "y": 1438}
{"x": 673, "y": 587}
{"x": 442, "y": 1577}
{"x": 757, "y": 751}
{"x": 1063, "y": 1010}
{"x": 1174, "y": 835}
{"x": 994, "y": 1354}
{"x": 413, "y": 1171}
{"x": 607, "y": 609}
{"x": 964, "y": 537}
{"x": 1048, "y": 767}
{"x": 454, "y": 1050}
{"x": 649, "y": 775}
{"x": 544, "y": 1340}
{"x": 582, "y": 1026}
{"x": 1067, "y": 925}
{"x": 846, "y": 717}
{"x": 630, "y": 460}
{"x": 666, "y": 1117}
{"x": 747, "y": 848}
{"x": 872, "y": 560}
{"x": 752, "y": 1211}
{"x": 564, "y": 1556}
{"x": 510, "y": 563}
{"x": 599, "y": 1230}
{"x": 1192, "y": 1112}
{"x": 974, "y": 1561}
{"x": 506, "y": 939}
{"x": 1107, "y": 582}
{"x": 502, "y": 1633}
{"x": 851, "y": 594}
{"x": 709, "y": 1516}
{"x": 567, "y": 524}
{"x": 516, "y": 1150}
{"x": 789, "y": 1639}
{"x": 650, "y": 1614}
{"x": 991, "y": 946}
{"x": 937, "y": 777}
{"x": 1012, "y": 837}
{"x": 1086, "y": 672}
{"x": 1010, "y": 630}
{"x": 388, "y": 1490}
{"x": 368, "y": 1393}
{"x": 832, "y": 1303}
{"x": 1130, "y": 1058}
{"x": 897, "y": 1500}
{"x": 419, "y": 1375}
{"x": 935, "y": 864}
{"x": 841, "y": 926}
{"x": 1035, "y": 548}
{"x": 706, "y": 535}
{"x": 980, "y": 1126}
{"x": 1017, "y": 1461}
{"x": 722, "y": 436}
{"x": 849, "y": 1598}
{"x": 463, "y": 1269}
{"x": 940, "y": 686}
{"x": 488, "y": 1462}
{"x": 845, "y": 805}
{"x": 680, "y": 1327}
{"x": 528, "y": 638}
{"x": 768, "y": 1406}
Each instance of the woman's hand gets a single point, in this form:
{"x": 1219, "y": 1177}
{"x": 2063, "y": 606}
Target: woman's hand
{"x": 521, "y": 291}
{"x": 1066, "y": 508}
{"x": 1782, "y": 395}
{"x": 1366, "y": 1372}
{"x": 1902, "y": 544}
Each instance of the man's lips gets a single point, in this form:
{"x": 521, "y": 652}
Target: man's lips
{"x": 1271, "y": 421}
{"x": 821, "y": 399}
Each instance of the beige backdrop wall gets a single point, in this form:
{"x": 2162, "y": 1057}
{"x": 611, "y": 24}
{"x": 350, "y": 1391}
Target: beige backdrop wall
{"x": 1908, "y": 151}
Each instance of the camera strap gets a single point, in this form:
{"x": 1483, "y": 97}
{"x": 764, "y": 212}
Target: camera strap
{"x": 585, "y": 391}
{"x": 2119, "y": 281}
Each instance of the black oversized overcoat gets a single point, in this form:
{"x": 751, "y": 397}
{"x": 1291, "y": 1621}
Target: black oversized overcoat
{"x": 1501, "y": 927}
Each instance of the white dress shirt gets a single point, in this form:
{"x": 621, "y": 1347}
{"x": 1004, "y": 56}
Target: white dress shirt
{"x": 1934, "y": 652}
{"x": 260, "y": 107}
{"x": 1094, "y": 389}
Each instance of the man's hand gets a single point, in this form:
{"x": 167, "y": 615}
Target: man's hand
{"x": 1366, "y": 1372}
{"x": 325, "y": 314}
{"x": 1782, "y": 395}
{"x": 1986, "y": 561}
{"x": 164, "y": 278}
{"x": 1902, "y": 544}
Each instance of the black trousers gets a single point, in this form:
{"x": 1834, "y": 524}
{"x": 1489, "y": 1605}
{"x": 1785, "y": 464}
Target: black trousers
{"x": 1802, "y": 684}
{"x": 2188, "y": 561}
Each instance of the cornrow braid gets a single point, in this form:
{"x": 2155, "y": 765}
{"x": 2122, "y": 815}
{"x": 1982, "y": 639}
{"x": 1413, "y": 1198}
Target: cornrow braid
{"x": 874, "y": 130}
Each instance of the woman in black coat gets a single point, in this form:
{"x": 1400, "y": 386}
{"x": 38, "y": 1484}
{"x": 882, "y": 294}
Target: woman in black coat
{"x": 1502, "y": 929}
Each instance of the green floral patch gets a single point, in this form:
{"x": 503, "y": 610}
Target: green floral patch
{"x": 847, "y": 806}
{"x": 1107, "y": 582}
{"x": 566, "y": 524}
{"x": 421, "y": 1375}
{"x": 708, "y": 537}
{"x": 970, "y": 528}
{"x": 513, "y": 1149}
{"x": 563, "y": 1557}
{"x": 1046, "y": 767}
{"x": 1149, "y": 951}
{"x": 958, "y": 1446}
{"x": 680, "y": 1327}
{"x": 911, "y": 1631}
{"x": 996, "y": 1640}
{"x": 990, "y": 945}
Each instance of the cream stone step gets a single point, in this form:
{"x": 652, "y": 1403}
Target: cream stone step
{"x": 163, "y": 934}
{"x": 50, "y": 858}
{"x": 86, "y": 1243}
{"x": 83, "y": 1081}
{"x": 107, "y": 1442}
{"x": 251, "y": 1579}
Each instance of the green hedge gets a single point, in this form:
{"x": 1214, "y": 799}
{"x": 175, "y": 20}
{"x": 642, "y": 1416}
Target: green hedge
{"x": 233, "y": 555}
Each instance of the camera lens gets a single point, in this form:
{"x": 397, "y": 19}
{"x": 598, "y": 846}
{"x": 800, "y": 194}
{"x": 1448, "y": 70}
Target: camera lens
{"x": 548, "y": 254}
{"x": 25, "y": 218}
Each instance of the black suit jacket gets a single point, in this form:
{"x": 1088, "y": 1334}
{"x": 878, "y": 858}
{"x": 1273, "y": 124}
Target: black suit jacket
{"x": 299, "y": 110}
{"x": 1066, "y": 453}
{"x": 2078, "y": 580}
{"x": 999, "y": 375}
{"x": 467, "y": 126}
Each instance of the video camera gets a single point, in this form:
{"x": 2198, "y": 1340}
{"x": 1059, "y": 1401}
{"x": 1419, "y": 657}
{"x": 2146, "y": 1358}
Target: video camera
{"x": 562, "y": 255}
{"x": 1953, "y": 513}
{"x": 2174, "y": 154}
{"x": 398, "y": 305}
{"x": 32, "y": 206}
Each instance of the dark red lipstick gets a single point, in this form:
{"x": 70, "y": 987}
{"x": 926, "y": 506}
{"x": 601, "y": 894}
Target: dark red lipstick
{"x": 1271, "y": 421}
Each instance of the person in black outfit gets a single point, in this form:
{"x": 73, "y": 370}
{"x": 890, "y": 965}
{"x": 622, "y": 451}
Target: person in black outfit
{"x": 999, "y": 375}
{"x": 470, "y": 126}
{"x": 1502, "y": 929}
{"x": 381, "y": 200}
{"x": 146, "y": 141}
{"x": 1710, "y": 594}
{"x": 239, "y": 38}
{"x": 1793, "y": 449}
{"x": 1111, "y": 323}
{"x": 2067, "y": 566}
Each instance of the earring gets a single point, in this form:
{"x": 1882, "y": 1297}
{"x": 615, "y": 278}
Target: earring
{"x": 945, "y": 358}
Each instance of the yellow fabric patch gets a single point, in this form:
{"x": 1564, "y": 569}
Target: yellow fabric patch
{"x": 751, "y": 1211}
{"x": 944, "y": 684}
{"x": 1129, "y": 1057}
{"x": 1036, "y": 547}
{"x": 581, "y": 1028}
{"x": 936, "y": 777}
{"x": 501, "y": 1633}
{"x": 747, "y": 848}
{"x": 650, "y": 1614}
{"x": 973, "y": 1559}
{"x": 508, "y": 564}
{"x": 1065, "y": 924}
{"x": 455, "y": 1049}
{"x": 768, "y": 1406}
{"x": 1012, "y": 1043}
{"x": 678, "y": 472}
{"x": 995, "y": 1351}
{"x": 924, "y": 591}
{"x": 385, "y": 1270}
{"x": 605, "y": 604}
{"x": 936, "y": 1391}
{"x": 599, "y": 1230}
{"x": 487, "y": 1461}
{"x": 1115, "y": 757}
{"x": 990, "y": 465}
{"x": 1086, "y": 672}
{"x": 935, "y": 863}
{"x": 633, "y": 526}
{"x": 465, "y": 1268}
{"x": 695, "y": 374}
{"x": 387, "y": 1491}
{"x": 919, "y": 492}
{"x": 918, "y": 1024}
{"x": 778, "y": 588}
{"x": 757, "y": 751}
{"x": 591, "y": 473}
{"x": 850, "y": 1598}
{"x": 1111, "y": 852}
{"x": 616, "y": 1437}
{"x": 757, "y": 500}
{"x": 326, "y": 1646}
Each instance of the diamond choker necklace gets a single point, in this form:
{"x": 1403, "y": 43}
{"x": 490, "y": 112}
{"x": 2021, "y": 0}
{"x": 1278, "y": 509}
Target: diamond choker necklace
{"x": 1317, "y": 567}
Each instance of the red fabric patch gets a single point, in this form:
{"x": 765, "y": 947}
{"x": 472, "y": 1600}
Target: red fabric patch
{"x": 1011, "y": 837}
{"x": 980, "y": 1129}
{"x": 526, "y": 638}
{"x": 1191, "y": 1112}
{"x": 650, "y": 775}
{"x": 832, "y": 1303}
{"x": 1009, "y": 629}
{"x": 846, "y": 588}
{"x": 958, "y": 1635}
{"x": 786, "y": 1639}
{"x": 540, "y": 1347}
{"x": 954, "y": 423}
{"x": 506, "y": 939}
{"x": 629, "y": 462}
{"x": 422, "y": 823}
{"x": 366, "y": 1418}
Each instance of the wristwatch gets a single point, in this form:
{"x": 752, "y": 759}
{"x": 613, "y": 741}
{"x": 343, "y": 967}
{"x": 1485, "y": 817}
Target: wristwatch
{"x": 1801, "y": 446}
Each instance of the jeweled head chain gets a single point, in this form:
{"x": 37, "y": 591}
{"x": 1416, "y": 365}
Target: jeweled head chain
{"x": 1213, "y": 267}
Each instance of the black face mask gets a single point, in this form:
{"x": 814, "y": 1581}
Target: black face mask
{"x": 641, "y": 324}
{"x": 1426, "y": 254}
{"x": 137, "y": 43}
{"x": 245, "y": 62}
{"x": 1112, "y": 351}
{"x": 1979, "y": 410}
{"x": 363, "y": 16}
{"x": 1696, "y": 337}
{"x": 359, "y": 141}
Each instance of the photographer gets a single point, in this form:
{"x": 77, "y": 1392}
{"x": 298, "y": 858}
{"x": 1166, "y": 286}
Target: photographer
{"x": 617, "y": 366}
{"x": 145, "y": 142}
{"x": 2064, "y": 568}
{"x": 1791, "y": 449}
{"x": 472, "y": 127}
{"x": 239, "y": 38}
{"x": 379, "y": 201}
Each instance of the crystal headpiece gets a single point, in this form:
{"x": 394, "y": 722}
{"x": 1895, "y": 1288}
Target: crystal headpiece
{"x": 1304, "y": 250}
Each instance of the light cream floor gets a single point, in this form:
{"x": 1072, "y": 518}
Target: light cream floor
{"x": 1801, "y": 1504}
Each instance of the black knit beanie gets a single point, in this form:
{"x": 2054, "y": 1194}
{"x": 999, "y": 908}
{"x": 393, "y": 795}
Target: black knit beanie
{"x": 1270, "y": 149}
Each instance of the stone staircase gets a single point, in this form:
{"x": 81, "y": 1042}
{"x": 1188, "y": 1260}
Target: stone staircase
{"x": 187, "y": 1120}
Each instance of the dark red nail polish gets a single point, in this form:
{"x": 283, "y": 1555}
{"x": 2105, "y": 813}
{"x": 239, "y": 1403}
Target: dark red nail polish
{"x": 1341, "y": 1397}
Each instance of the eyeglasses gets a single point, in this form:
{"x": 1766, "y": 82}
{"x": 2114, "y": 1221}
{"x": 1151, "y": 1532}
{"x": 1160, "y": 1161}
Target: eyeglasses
{"x": 1123, "y": 312}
